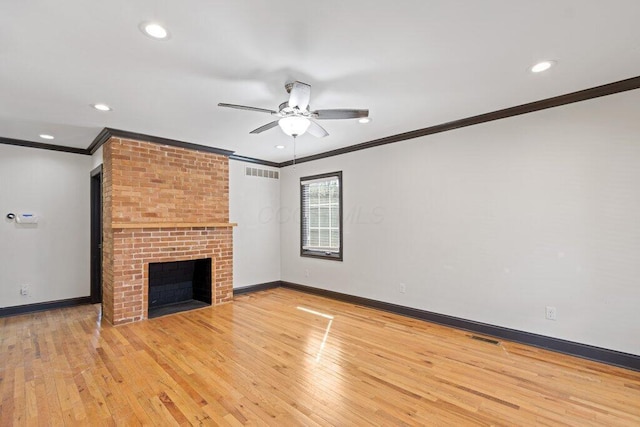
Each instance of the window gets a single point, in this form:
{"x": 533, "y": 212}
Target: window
{"x": 321, "y": 216}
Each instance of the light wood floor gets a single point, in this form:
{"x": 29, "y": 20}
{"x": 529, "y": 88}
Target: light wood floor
{"x": 268, "y": 359}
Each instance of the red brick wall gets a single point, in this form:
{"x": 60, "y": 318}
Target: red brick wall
{"x": 147, "y": 183}
{"x": 160, "y": 183}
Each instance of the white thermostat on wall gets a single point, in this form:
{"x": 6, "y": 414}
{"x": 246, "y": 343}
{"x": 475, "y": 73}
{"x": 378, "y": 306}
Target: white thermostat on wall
{"x": 27, "y": 218}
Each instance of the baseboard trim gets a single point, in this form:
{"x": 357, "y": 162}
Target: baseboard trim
{"x": 42, "y": 306}
{"x": 256, "y": 288}
{"x": 597, "y": 354}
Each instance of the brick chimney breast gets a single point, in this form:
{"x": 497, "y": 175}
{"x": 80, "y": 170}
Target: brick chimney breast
{"x": 161, "y": 204}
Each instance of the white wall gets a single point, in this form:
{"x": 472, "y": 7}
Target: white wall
{"x": 494, "y": 222}
{"x": 53, "y": 256}
{"x": 253, "y": 204}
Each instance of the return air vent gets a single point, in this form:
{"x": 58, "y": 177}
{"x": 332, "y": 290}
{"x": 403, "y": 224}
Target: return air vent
{"x": 261, "y": 173}
{"x": 483, "y": 339}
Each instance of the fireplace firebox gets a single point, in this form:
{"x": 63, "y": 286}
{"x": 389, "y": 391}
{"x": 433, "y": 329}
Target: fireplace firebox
{"x": 179, "y": 286}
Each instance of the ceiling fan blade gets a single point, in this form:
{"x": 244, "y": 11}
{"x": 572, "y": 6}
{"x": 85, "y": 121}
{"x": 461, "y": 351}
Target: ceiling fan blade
{"x": 316, "y": 130}
{"x": 300, "y": 95}
{"x": 340, "y": 114}
{"x": 265, "y": 127}
{"x": 244, "y": 107}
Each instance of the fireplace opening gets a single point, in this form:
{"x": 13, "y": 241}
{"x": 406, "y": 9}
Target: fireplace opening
{"x": 179, "y": 286}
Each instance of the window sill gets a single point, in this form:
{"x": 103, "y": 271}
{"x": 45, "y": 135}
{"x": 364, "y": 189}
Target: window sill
{"x": 321, "y": 255}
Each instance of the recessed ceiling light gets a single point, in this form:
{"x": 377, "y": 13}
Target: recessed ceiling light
{"x": 542, "y": 66}
{"x": 101, "y": 107}
{"x": 154, "y": 30}
{"x": 46, "y": 136}
{"x": 280, "y": 147}
{"x": 364, "y": 120}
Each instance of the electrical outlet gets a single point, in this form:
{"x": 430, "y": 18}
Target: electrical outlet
{"x": 550, "y": 313}
{"x": 24, "y": 290}
{"x": 306, "y": 273}
{"x": 403, "y": 288}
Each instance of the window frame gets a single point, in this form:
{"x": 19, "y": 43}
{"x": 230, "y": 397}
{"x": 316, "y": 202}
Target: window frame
{"x": 335, "y": 256}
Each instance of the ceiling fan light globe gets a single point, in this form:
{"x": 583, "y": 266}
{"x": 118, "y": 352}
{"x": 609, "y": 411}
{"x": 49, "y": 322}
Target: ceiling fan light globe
{"x": 294, "y": 125}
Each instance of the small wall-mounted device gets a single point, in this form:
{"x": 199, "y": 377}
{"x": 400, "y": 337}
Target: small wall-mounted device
{"x": 23, "y": 218}
{"x": 27, "y": 218}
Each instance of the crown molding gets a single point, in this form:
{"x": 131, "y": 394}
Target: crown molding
{"x": 107, "y": 133}
{"x": 254, "y": 160}
{"x": 557, "y": 101}
{"x": 43, "y": 146}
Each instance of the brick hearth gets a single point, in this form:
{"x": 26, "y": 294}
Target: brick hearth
{"x": 161, "y": 203}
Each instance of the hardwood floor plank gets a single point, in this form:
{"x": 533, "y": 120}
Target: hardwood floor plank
{"x": 19, "y": 407}
{"x": 281, "y": 357}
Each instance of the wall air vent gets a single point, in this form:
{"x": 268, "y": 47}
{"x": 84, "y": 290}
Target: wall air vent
{"x": 261, "y": 173}
{"x": 483, "y": 339}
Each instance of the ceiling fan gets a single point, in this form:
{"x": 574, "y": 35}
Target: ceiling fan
{"x": 295, "y": 116}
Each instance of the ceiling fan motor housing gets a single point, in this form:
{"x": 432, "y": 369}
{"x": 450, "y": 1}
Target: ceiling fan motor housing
{"x": 284, "y": 110}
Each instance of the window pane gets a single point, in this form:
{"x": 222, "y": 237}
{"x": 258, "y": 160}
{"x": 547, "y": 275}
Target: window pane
{"x": 314, "y": 217}
{"x": 324, "y": 216}
{"x": 313, "y": 238}
{"x": 334, "y": 192}
{"x": 335, "y": 238}
{"x": 334, "y": 215}
{"x": 324, "y": 238}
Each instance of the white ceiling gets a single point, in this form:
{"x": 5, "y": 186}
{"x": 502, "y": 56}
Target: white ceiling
{"x": 414, "y": 64}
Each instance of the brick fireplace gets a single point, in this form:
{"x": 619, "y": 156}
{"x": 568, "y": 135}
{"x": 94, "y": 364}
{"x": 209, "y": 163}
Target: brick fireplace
{"x": 161, "y": 204}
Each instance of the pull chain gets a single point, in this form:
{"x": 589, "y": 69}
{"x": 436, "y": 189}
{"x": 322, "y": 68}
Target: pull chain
{"x": 294, "y": 151}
